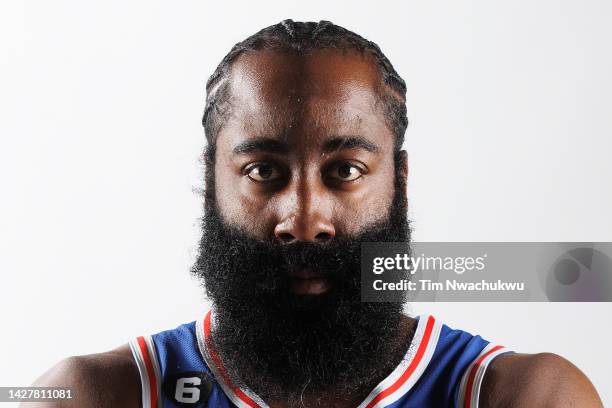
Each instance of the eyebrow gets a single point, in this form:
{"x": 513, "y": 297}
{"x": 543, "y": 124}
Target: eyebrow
{"x": 261, "y": 144}
{"x": 349, "y": 142}
{"x": 271, "y": 145}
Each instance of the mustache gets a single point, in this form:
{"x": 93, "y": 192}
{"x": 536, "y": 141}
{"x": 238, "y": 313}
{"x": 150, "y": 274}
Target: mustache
{"x": 324, "y": 258}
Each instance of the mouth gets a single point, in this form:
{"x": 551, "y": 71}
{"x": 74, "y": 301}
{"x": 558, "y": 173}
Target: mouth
{"x": 308, "y": 282}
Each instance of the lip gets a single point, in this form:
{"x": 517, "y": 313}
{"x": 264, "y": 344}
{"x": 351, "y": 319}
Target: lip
{"x": 308, "y": 282}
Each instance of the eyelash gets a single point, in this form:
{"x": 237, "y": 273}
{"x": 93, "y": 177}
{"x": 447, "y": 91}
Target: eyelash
{"x": 247, "y": 170}
{"x": 360, "y": 168}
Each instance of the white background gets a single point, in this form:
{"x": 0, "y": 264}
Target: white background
{"x": 510, "y": 139}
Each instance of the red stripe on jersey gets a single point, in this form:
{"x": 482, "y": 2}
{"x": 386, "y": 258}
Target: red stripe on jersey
{"x": 413, "y": 365}
{"x": 217, "y": 360}
{"x": 144, "y": 350}
{"x": 472, "y": 376}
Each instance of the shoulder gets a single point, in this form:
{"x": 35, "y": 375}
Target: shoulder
{"x": 107, "y": 379}
{"x": 542, "y": 380}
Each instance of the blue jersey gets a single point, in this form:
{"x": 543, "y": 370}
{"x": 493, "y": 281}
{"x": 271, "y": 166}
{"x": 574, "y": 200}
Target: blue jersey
{"x": 442, "y": 367}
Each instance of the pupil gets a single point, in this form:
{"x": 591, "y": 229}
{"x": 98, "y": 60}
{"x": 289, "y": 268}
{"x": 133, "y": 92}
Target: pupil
{"x": 345, "y": 171}
{"x": 265, "y": 171}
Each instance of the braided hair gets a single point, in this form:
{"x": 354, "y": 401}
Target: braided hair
{"x": 301, "y": 37}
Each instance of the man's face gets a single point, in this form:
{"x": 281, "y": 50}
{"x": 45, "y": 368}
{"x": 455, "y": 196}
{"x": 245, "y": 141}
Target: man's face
{"x": 305, "y": 153}
{"x": 305, "y": 171}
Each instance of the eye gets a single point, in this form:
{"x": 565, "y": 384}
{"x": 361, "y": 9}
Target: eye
{"x": 262, "y": 172}
{"x": 345, "y": 171}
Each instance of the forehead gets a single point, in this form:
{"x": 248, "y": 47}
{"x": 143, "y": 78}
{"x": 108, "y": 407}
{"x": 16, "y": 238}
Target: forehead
{"x": 322, "y": 92}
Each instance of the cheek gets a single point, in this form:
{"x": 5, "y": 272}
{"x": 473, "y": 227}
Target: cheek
{"x": 237, "y": 205}
{"x": 357, "y": 211}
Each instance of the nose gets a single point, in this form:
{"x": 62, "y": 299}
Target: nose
{"x": 307, "y": 215}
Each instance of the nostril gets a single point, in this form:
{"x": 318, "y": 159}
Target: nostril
{"x": 285, "y": 237}
{"x": 323, "y": 236}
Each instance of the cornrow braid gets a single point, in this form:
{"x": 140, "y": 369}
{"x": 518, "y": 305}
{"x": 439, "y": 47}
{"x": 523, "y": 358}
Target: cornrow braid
{"x": 300, "y": 37}
{"x": 288, "y": 25}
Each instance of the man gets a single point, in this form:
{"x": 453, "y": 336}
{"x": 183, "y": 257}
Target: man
{"x": 305, "y": 124}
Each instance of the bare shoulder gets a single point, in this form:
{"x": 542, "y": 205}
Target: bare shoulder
{"x": 538, "y": 380}
{"x": 107, "y": 379}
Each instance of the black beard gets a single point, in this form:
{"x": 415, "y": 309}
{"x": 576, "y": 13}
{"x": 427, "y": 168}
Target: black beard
{"x": 285, "y": 346}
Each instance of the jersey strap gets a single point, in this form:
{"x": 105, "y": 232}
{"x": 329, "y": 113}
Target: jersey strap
{"x": 471, "y": 381}
{"x": 241, "y": 397}
{"x": 145, "y": 355}
{"x": 410, "y": 369}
